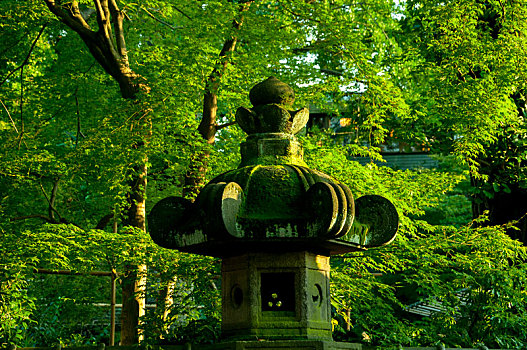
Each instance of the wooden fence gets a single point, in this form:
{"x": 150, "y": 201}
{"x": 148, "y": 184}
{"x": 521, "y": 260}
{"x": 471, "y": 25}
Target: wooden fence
{"x": 112, "y": 304}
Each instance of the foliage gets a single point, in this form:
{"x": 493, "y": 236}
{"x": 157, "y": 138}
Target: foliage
{"x": 199, "y": 331}
{"x": 468, "y": 265}
{"x": 481, "y": 290}
{"x": 58, "y": 321}
{"x": 449, "y": 76}
{"x": 62, "y": 247}
{"x": 16, "y": 305}
{"x": 468, "y": 84}
{"x": 476, "y": 273}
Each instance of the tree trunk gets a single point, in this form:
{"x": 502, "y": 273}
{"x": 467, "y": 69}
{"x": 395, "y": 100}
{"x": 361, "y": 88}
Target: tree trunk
{"x": 107, "y": 45}
{"x": 195, "y": 176}
{"x": 165, "y": 300}
{"x": 134, "y": 281}
{"x": 134, "y": 304}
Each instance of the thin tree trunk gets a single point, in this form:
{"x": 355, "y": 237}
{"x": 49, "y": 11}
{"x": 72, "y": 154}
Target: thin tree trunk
{"x": 195, "y": 176}
{"x": 134, "y": 282}
{"x": 169, "y": 296}
{"x": 165, "y": 300}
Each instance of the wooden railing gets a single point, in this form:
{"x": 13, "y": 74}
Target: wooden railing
{"x": 113, "y": 278}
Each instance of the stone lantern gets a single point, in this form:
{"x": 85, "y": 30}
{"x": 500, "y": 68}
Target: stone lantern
{"x": 274, "y": 223}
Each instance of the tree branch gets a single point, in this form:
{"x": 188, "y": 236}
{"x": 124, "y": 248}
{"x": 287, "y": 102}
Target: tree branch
{"x": 53, "y": 197}
{"x": 157, "y": 19}
{"x": 101, "y": 18}
{"x": 3, "y": 52}
{"x": 207, "y": 127}
{"x": 36, "y": 216}
{"x": 28, "y": 54}
{"x": 108, "y": 51}
{"x": 79, "y": 131}
{"x": 51, "y": 200}
{"x": 9, "y": 115}
{"x": 22, "y": 127}
{"x": 332, "y": 72}
{"x": 104, "y": 221}
{"x": 309, "y": 18}
{"x": 105, "y": 28}
{"x": 78, "y": 120}
{"x": 117, "y": 18}
{"x": 219, "y": 127}
{"x": 73, "y": 18}
{"x": 183, "y": 13}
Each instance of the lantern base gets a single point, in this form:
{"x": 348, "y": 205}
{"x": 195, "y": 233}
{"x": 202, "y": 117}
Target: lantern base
{"x": 281, "y": 345}
{"x": 276, "y": 296}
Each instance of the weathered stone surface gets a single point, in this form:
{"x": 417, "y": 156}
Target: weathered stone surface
{"x": 271, "y": 118}
{"x": 275, "y": 223}
{"x": 276, "y": 296}
{"x": 272, "y": 195}
{"x": 260, "y": 202}
{"x": 376, "y": 222}
{"x": 271, "y": 91}
{"x": 163, "y": 221}
{"x": 271, "y": 149}
{"x": 332, "y": 208}
{"x": 300, "y": 119}
{"x": 281, "y": 345}
{"x": 270, "y": 114}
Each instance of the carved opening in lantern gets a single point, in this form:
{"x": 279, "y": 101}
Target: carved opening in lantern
{"x": 278, "y": 291}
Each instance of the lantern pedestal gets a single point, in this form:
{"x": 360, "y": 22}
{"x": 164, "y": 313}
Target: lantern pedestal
{"x": 274, "y": 223}
{"x": 283, "y": 345}
{"x": 276, "y": 296}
